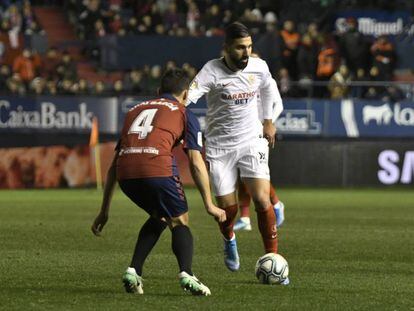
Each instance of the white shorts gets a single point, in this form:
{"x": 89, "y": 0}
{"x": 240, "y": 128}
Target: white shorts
{"x": 251, "y": 160}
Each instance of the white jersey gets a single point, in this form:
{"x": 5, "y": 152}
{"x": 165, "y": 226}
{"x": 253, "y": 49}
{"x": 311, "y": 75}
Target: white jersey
{"x": 277, "y": 107}
{"x": 232, "y": 115}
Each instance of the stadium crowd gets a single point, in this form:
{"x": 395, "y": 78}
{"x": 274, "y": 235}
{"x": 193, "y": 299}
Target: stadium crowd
{"x": 300, "y": 53}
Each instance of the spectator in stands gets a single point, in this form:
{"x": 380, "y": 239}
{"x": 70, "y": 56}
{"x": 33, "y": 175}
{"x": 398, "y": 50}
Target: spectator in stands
{"x": 37, "y": 86}
{"x": 99, "y": 28}
{"x": 339, "y": 83}
{"x": 328, "y": 59}
{"x": 37, "y": 61}
{"x": 374, "y": 91}
{"x": 291, "y": 40}
{"x": 83, "y": 88}
{"x": 50, "y": 63}
{"x": 134, "y": 82}
{"x": 193, "y": 18}
{"x": 87, "y": 18}
{"x": 28, "y": 16}
{"x": 5, "y": 26}
{"x": 284, "y": 83}
{"x": 67, "y": 67}
{"x": 51, "y": 87}
{"x": 212, "y": 21}
{"x": 253, "y": 19}
{"x": 78, "y": 88}
{"x": 393, "y": 94}
{"x": 15, "y": 23}
{"x": 99, "y": 88}
{"x": 25, "y": 66}
{"x": 353, "y": 46}
{"x": 156, "y": 17}
{"x": 74, "y": 8}
{"x": 358, "y": 91}
{"x": 172, "y": 18}
{"x": 270, "y": 46}
{"x": 34, "y": 29}
{"x": 313, "y": 31}
{"x": 15, "y": 85}
{"x": 326, "y": 63}
{"x": 145, "y": 26}
{"x": 5, "y": 74}
{"x": 154, "y": 79}
{"x": 116, "y": 23}
{"x": 2, "y": 51}
{"x": 132, "y": 26}
{"x": 160, "y": 30}
{"x": 169, "y": 65}
{"x": 65, "y": 86}
{"x": 118, "y": 88}
{"x": 383, "y": 53}
{"x": 191, "y": 71}
{"x": 307, "y": 58}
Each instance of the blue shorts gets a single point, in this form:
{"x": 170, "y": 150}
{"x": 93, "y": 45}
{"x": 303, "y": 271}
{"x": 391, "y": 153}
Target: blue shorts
{"x": 158, "y": 196}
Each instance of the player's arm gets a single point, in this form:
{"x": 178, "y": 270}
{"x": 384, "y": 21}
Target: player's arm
{"x": 200, "y": 85}
{"x": 200, "y": 175}
{"x": 193, "y": 146}
{"x": 266, "y": 94}
{"x": 102, "y": 217}
{"x": 277, "y": 102}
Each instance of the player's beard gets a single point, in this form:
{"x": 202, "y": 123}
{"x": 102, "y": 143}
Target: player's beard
{"x": 240, "y": 63}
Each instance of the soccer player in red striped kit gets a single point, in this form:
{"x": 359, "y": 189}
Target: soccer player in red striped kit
{"x": 147, "y": 173}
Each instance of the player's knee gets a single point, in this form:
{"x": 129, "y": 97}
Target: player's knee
{"x": 181, "y": 220}
{"x": 261, "y": 202}
{"x": 158, "y": 224}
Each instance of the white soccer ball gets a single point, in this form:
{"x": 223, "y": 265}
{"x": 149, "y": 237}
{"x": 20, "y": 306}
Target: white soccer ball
{"x": 272, "y": 269}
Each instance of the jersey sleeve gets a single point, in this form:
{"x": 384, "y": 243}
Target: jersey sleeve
{"x": 266, "y": 93}
{"x": 193, "y": 138}
{"x": 200, "y": 85}
{"x": 277, "y": 101}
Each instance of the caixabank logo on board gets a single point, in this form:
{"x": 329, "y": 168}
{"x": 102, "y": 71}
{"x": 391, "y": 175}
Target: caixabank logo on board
{"x": 46, "y": 117}
{"x": 396, "y": 168}
{"x": 298, "y": 122}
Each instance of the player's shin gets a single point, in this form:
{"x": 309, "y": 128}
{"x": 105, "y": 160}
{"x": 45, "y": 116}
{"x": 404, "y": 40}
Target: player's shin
{"x": 147, "y": 238}
{"x": 226, "y": 227}
{"x": 182, "y": 246}
{"x": 273, "y": 196}
{"x": 267, "y": 225}
{"x": 244, "y": 199}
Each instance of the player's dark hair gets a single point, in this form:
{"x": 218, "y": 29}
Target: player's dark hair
{"x": 234, "y": 31}
{"x": 174, "y": 81}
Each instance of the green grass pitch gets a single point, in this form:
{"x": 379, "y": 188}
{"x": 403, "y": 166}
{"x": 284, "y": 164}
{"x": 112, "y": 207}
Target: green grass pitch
{"x": 347, "y": 250}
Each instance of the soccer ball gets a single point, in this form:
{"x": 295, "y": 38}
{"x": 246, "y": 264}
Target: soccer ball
{"x": 271, "y": 269}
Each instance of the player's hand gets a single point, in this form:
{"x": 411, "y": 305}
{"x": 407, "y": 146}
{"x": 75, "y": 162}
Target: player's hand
{"x": 218, "y": 213}
{"x": 99, "y": 223}
{"x": 269, "y": 132}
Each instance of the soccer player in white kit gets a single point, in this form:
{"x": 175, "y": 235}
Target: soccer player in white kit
{"x": 236, "y": 139}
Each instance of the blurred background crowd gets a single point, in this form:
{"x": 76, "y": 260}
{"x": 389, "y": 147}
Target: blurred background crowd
{"x": 305, "y": 56}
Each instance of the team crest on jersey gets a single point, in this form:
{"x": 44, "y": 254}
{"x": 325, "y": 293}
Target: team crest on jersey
{"x": 251, "y": 79}
{"x": 194, "y": 85}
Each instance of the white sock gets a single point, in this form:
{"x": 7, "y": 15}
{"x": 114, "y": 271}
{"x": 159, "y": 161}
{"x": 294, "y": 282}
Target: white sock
{"x": 131, "y": 270}
{"x": 246, "y": 220}
{"x": 234, "y": 236}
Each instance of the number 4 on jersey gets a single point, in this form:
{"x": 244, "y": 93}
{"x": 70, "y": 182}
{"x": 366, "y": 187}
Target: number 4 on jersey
{"x": 142, "y": 123}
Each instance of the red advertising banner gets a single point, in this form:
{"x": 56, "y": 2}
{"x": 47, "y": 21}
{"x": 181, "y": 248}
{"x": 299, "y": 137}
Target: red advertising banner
{"x": 61, "y": 166}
